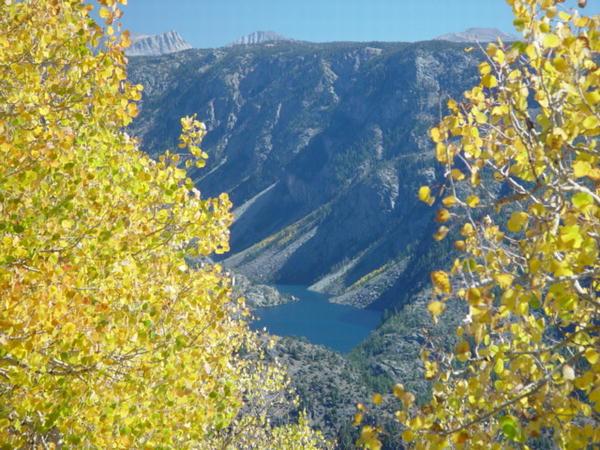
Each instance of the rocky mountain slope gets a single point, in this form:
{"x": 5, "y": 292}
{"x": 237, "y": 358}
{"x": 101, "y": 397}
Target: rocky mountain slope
{"x": 330, "y": 385}
{"x": 322, "y": 148}
{"x": 159, "y": 44}
{"x": 258, "y": 295}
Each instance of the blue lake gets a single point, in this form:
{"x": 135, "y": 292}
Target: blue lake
{"x": 338, "y": 327}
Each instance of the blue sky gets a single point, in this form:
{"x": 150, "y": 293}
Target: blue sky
{"x": 213, "y": 23}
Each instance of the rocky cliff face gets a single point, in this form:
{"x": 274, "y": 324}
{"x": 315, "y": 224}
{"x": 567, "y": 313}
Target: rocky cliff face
{"x": 156, "y": 45}
{"x": 322, "y": 148}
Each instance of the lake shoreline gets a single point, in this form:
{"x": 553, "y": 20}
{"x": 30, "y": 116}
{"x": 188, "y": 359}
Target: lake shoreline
{"x": 313, "y": 317}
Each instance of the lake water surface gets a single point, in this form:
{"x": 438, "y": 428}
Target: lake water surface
{"x": 338, "y": 327}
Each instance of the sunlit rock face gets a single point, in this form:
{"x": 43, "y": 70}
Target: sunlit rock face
{"x": 159, "y": 44}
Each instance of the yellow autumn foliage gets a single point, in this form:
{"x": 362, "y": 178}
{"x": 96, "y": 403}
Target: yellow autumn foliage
{"x": 526, "y": 370}
{"x": 116, "y": 331}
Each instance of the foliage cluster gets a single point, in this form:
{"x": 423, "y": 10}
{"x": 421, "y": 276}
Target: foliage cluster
{"x": 521, "y": 162}
{"x": 108, "y": 337}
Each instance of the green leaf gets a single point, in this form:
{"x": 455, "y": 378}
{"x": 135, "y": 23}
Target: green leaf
{"x": 18, "y": 228}
{"x": 581, "y": 200}
{"x": 510, "y": 427}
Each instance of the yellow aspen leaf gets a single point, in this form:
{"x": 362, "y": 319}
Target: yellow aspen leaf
{"x": 500, "y": 57}
{"x": 472, "y": 201}
{"x": 517, "y": 221}
{"x": 480, "y": 117}
{"x": 69, "y": 328}
{"x": 377, "y": 399}
{"x": 132, "y": 110}
{"x": 582, "y": 200}
{"x": 504, "y": 280}
{"x": 581, "y": 168}
{"x": 443, "y": 215}
{"x": 489, "y": 81}
{"x": 467, "y": 230}
{"x": 400, "y": 416}
{"x": 449, "y": 201}
{"x": 564, "y": 16}
{"x": 441, "y": 153}
{"x": 435, "y": 135}
{"x": 561, "y": 64}
{"x": 485, "y": 68}
{"x": 499, "y": 366}
{"x": 585, "y": 381}
{"x": 499, "y": 110}
{"x": 441, "y": 281}
{"x": 357, "y": 419}
{"x": 425, "y": 195}
{"x": 457, "y": 175}
{"x": 581, "y": 21}
{"x": 441, "y": 233}
{"x": 398, "y": 390}
{"x": 126, "y": 39}
{"x": 67, "y": 224}
{"x": 431, "y": 369}
{"x": 595, "y": 395}
{"x": 593, "y": 97}
{"x": 592, "y": 356}
{"x": 104, "y": 13}
{"x": 462, "y": 350}
{"x": 369, "y": 438}
{"x": 570, "y": 235}
{"x": 408, "y": 436}
{"x": 473, "y": 295}
{"x": 551, "y": 40}
{"x": 408, "y": 399}
{"x": 436, "y": 308}
{"x": 591, "y": 122}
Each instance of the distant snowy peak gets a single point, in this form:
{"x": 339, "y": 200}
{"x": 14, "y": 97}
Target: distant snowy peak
{"x": 260, "y": 37}
{"x": 159, "y": 44}
{"x": 477, "y": 35}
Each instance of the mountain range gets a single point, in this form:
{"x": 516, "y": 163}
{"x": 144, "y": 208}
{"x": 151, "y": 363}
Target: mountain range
{"x": 172, "y": 42}
{"x": 477, "y": 35}
{"x": 260, "y": 37}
